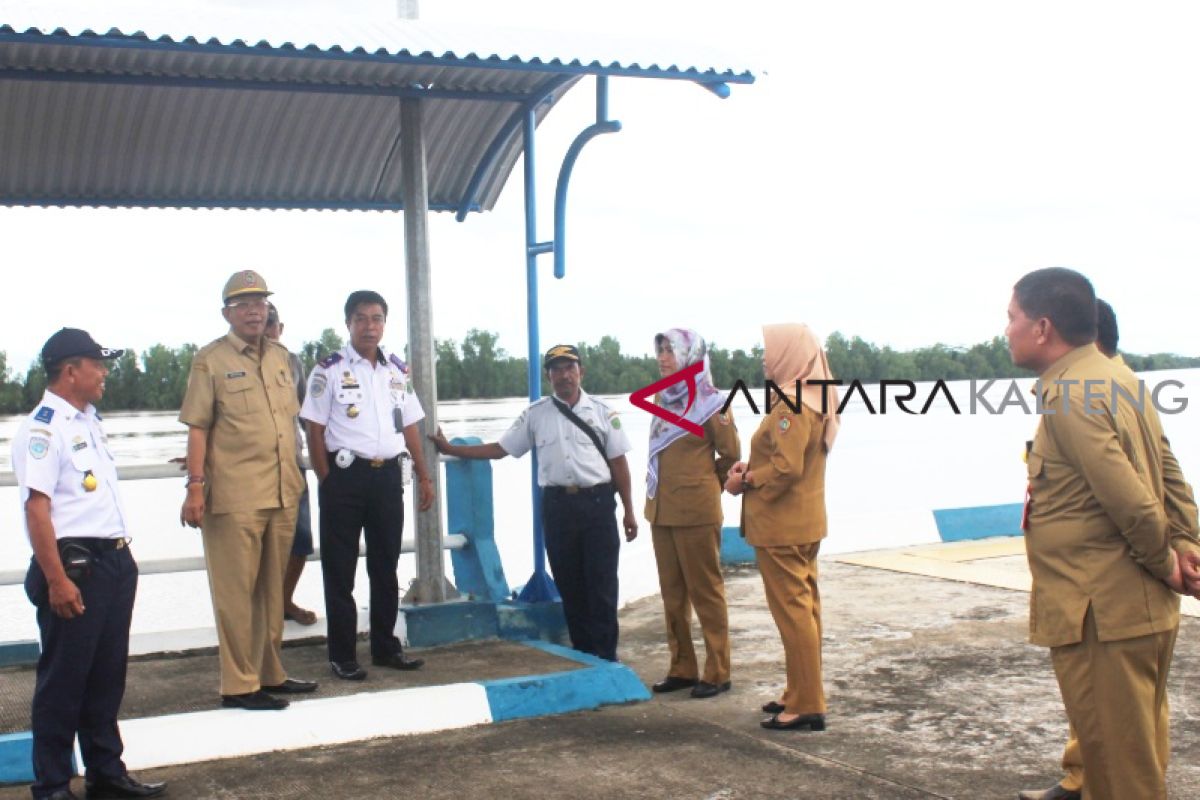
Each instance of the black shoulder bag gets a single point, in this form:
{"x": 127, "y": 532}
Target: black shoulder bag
{"x": 583, "y": 426}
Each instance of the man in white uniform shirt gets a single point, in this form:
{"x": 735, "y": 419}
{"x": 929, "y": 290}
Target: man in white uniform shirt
{"x": 82, "y": 578}
{"x": 361, "y": 418}
{"x": 581, "y": 462}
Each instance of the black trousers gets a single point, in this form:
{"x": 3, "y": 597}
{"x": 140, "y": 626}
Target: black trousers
{"x": 354, "y": 500}
{"x": 81, "y": 673}
{"x": 584, "y": 548}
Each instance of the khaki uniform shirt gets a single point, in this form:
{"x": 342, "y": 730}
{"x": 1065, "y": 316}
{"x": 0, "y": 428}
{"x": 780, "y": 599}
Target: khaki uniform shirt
{"x": 691, "y": 472}
{"x": 1098, "y": 533}
{"x": 247, "y": 405}
{"x": 785, "y": 503}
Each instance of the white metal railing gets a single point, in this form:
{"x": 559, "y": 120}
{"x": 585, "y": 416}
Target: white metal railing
{"x": 12, "y": 577}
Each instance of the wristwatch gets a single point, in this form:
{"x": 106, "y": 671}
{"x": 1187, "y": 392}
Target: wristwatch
{"x": 194, "y": 479}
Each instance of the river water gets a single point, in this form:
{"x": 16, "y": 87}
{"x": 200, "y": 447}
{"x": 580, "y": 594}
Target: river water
{"x": 886, "y": 474}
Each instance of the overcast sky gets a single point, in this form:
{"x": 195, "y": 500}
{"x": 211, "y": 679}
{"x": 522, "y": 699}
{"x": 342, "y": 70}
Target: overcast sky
{"x": 894, "y": 171}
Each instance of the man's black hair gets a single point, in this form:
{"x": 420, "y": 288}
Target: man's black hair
{"x": 1063, "y": 296}
{"x": 364, "y": 297}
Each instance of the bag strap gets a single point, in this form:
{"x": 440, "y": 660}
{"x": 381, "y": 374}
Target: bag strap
{"x": 583, "y": 426}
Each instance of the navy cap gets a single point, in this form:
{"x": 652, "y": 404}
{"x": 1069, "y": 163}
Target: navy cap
{"x": 560, "y": 352}
{"x": 73, "y": 343}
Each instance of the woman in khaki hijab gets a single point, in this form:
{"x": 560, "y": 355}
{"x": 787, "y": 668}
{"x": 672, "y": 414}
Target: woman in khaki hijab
{"x": 683, "y": 504}
{"x": 783, "y": 512}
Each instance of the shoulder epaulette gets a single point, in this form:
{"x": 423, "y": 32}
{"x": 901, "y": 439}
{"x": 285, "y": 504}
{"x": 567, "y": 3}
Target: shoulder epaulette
{"x": 330, "y": 360}
{"x": 395, "y": 359}
{"x": 44, "y": 414}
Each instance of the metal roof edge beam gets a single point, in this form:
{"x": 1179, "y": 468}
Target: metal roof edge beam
{"x": 488, "y": 160}
{"x": 602, "y": 125}
{"x": 192, "y": 82}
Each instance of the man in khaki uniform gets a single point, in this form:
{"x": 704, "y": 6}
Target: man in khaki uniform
{"x": 1181, "y": 511}
{"x": 1101, "y": 552}
{"x": 243, "y": 491}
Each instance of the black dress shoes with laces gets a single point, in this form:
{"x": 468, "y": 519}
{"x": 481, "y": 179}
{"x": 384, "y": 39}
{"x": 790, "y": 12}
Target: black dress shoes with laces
{"x": 673, "y": 684}
{"x": 398, "y": 661}
{"x": 348, "y": 670}
{"x": 705, "y": 689}
{"x": 254, "y": 701}
{"x": 124, "y": 786}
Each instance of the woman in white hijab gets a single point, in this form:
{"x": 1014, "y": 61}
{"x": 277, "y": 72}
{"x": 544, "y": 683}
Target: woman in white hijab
{"x": 683, "y": 506}
{"x": 783, "y": 512}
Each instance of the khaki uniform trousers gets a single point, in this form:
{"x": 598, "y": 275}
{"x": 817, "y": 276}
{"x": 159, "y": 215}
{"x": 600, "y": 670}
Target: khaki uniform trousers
{"x": 1115, "y": 694}
{"x": 689, "y": 576}
{"x": 790, "y": 581}
{"x": 246, "y": 552}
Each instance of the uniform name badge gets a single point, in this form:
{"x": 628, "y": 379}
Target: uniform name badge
{"x": 350, "y": 394}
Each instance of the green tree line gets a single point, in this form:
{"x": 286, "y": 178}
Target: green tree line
{"x": 477, "y": 367}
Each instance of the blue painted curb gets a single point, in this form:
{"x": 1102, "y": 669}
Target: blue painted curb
{"x": 443, "y": 623}
{"x": 599, "y": 683}
{"x": 520, "y": 621}
{"x": 734, "y": 549}
{"x": 16, "y": 757}
{"x": 26, "y": 652}
{"x": 978, "y": 522}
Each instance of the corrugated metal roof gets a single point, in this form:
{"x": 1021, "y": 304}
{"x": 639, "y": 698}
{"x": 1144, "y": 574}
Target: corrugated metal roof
{"x": 281, "y": 113}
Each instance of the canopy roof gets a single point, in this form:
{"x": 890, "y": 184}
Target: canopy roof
{"x": 250, "y": 112}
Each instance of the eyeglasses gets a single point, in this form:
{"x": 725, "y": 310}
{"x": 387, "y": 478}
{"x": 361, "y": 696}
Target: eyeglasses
{"x": 247, "y": 305}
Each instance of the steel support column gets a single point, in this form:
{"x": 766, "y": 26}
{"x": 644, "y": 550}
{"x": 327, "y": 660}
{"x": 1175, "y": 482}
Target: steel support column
{"x": 430, "y": 585}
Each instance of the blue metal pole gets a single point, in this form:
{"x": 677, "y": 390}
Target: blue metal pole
{"x": 602, "y": 125}
{"x": 539, "y": 588}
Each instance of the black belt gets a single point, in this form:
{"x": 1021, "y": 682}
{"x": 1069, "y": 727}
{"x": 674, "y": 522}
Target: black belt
{"x": 375, "y": 463}
{"x": 95, "y": 544}
{"x": 599, "y": 488}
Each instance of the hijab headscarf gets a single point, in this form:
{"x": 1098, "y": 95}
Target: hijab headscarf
{"x": 792, "y": 352}
{"x": 689, "y": 348}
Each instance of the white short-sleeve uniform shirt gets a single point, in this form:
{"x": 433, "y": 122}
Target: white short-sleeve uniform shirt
{"x": 360, "y": 403}
{"x": 566, "y": 455}
{"x": 55, "y": 450}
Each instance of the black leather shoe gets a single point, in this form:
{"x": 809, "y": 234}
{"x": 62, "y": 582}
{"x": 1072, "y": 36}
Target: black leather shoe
{"x": 774, "y": 707}
{"x": 809, "y": 722}
{"x": 254, "y": 701}
{"x": 398, "y": 661}
{"x": 62, "y": 794}
{"x": 1055, "y": 792}
{"x": 292, "y": 686}
{"x": 673, "y": 684}
{"x": 124, "y": 786}
{"x": 348, "y": 670}
{"x": 706, "y": 689}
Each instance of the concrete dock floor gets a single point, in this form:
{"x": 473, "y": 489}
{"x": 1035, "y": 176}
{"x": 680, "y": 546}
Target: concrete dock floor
{"x": 933, "y": 692}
